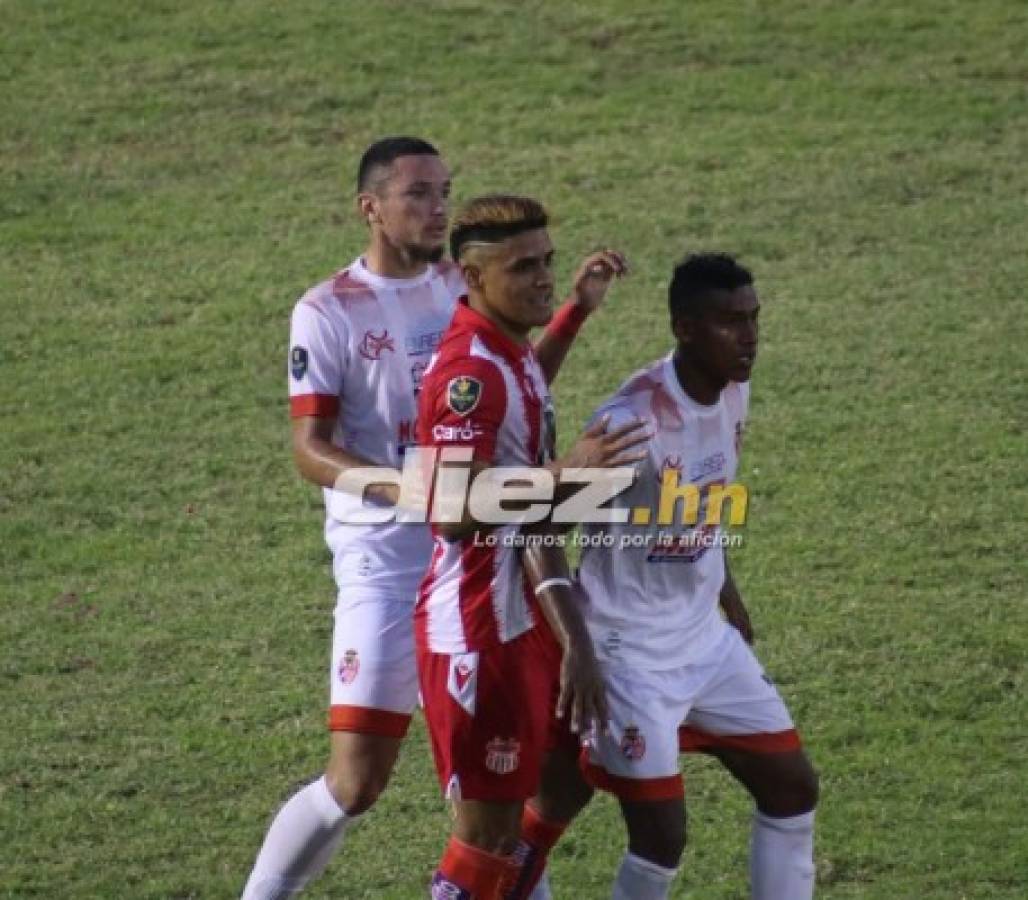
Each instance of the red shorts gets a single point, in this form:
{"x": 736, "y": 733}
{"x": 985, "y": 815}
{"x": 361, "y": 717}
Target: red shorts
{"x": 490, "y": 715}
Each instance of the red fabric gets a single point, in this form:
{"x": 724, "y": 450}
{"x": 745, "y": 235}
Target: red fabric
{"x": 324, "y": 406}
{"x": 538, "y": 837}
{"x": 692, "y": 739}
{"x": 567, "y": 322}
{"x": 635, "y": 790}
{"x": 365, "y": 720}
{"x": 495, "y": 753}
{"x": 476, "y": 871}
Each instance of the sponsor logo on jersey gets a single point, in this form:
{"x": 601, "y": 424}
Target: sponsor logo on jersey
{"x": 298, "y": 362}
{"x": 418, "y": 344}
{"x": 684, "y": 548}
{"x": 463, "y": 394}
{"x": 670, "y": 464}
{"x": 709, "y": 465}
{"x": 349, "y": 666}
{"x": 502, "y": 755}
{"x": 633, "y": 744}
{"x": 374, "y": 345}
{"x": 466, "y": 432}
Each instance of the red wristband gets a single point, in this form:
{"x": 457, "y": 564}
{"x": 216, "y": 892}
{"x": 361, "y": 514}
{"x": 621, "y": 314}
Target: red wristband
{"x": 569, "y": 318}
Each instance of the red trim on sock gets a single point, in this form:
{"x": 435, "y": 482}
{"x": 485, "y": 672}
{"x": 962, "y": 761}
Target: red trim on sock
{"x": 540, "y": 832}
{"x": 692, "y": 739}
{"x": 475, "y": 870}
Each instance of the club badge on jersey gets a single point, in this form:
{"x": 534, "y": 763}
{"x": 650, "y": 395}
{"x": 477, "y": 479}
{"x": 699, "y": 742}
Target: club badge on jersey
{"x": 463, "y": 394}
{"x": 298, "y": 362}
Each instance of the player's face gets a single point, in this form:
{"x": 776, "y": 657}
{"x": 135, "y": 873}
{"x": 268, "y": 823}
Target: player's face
{"x": 517, "y": 281}
{"x": 723, "y": 341}
{"x": 411, "y": 207}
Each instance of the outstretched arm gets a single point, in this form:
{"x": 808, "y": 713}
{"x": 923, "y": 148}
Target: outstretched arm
{"x": 588, "y": 290}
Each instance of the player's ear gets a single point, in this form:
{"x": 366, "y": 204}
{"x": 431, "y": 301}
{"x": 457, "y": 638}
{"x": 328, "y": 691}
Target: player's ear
{"x": 472, "y": 275}
{"x": 681, "y": 328}
{"x": 367, "y": 207}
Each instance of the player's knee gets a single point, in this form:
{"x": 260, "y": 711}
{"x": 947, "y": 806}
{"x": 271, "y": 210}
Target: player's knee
{"x": 356, "y": 792}
{"x": 656, "y": 833}
{"x": 794, "y": 791}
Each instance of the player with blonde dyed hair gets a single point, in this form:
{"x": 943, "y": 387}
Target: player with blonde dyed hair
{"x": 489, "y": 667}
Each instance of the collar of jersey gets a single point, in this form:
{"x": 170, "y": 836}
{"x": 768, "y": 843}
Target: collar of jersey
{"x": 467, "y": 318}
{"x": 360, "y": 271}
{"x": 678, "y": 392}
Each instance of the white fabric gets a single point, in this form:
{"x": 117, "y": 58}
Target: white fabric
{"x": 373, "y": 660}
{"x": 367, "y": 341}
{"x": 656, "y": 605}
{"x": 300, "y": 842}
{"x": 782, "y": 857}
{"x": 542, "y": 889}
{"x": 723, "y": 692}
{"x": 640, "y": 879}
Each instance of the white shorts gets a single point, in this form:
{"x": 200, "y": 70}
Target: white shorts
{"x": 374, "y": 673}
{"x": 724, "y": 700}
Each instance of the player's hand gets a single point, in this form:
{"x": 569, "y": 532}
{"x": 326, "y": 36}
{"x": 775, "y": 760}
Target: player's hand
{"x": 601, "y": 449}
{"x": 736, "y": 614}
{"x": 582, "y": 694}
{"x": 595, "y": 275}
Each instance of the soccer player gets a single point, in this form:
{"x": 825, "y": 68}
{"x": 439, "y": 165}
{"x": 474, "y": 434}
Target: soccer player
{"x": 667, "y": 655}
{"x": 360, "y": 343}
{"x": 488, "y": 666}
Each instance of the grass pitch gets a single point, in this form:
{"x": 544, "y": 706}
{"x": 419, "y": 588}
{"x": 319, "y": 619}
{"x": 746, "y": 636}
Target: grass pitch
{"x": 175, "y": 174}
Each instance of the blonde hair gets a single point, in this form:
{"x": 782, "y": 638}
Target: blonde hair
{"x": 494, "y": 218}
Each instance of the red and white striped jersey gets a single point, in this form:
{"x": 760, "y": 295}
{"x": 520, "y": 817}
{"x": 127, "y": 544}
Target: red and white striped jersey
{"x": 487, "y": 393}
{"x": 360, "y": 344}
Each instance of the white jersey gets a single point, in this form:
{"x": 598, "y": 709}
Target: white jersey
{"x": 652, "y": 598}
{"x": 359, "y": 345}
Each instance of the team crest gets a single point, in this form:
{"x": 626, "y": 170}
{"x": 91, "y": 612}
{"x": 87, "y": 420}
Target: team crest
{"x": 502, "y": 755}
{"x": 633, "y": 744}
{"x": 349, "y": 666}
{"x": 374, "y": 345}
{"x": 463, "y": 394}
{"x": 298, "y": 362}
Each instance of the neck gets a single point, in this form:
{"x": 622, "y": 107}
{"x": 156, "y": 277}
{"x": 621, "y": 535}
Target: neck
{"x": 517, "y": 333}
{"x": 695, "y": 382}
{"x": 390, "y": 261}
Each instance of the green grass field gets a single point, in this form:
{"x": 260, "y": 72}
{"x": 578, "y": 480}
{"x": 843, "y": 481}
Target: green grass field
{"x": 175, "y": 174}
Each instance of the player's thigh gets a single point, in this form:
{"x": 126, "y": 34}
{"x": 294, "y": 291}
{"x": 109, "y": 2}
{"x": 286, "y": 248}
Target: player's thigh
{"x": 781, "y": 784}
{"x": 359, "y": 768}
{"x": 636, "y": 759}
{"x": 374, "y": 682}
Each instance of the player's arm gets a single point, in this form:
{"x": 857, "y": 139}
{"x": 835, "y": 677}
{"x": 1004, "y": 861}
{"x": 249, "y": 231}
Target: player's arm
{"x": 734, "y": 608}
{"x": 582, "y": 693}
{"x": 323, "y": 463}
{"x": 588, "y": 290}
{"x": 317, "y": 360}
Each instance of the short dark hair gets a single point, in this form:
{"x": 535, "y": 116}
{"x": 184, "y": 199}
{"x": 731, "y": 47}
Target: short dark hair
{"x": 494, "y": 218}
{"x": 384, "y": 152}
{"x": 700, "y": 274}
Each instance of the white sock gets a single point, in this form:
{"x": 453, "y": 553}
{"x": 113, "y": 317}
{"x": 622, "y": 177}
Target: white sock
{"x": 542, "y": 889}
{"x": 782, "y": 857}
{"x": 640, "y": 879}
{"x": 299, "y": 844}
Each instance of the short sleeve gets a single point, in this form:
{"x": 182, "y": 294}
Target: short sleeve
{"x": 316, "y": 363}
{"x": 463, "y": 404}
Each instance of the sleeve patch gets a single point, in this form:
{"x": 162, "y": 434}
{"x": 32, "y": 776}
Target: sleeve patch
{"x": 298, "y": 362}
{"x": 463, "y": 394}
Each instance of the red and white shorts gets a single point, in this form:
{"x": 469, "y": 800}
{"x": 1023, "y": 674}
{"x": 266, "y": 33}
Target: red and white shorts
{"x": 723, "y": 700}
{"x": 373, "y": 677}
{"x": 490, "y": 715}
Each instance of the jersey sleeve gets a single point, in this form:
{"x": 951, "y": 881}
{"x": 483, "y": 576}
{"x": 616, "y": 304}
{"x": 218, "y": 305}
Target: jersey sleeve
{"x": 317, "y": 359}
{"x": 463, "y": 406}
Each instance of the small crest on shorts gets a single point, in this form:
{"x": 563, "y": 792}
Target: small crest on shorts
{"x": 298, "y": 361}
{"x": 349, "y": 666}
{"x": 463, "y": 394}
{"x": 633, "y": 744}
{"x": 502, "y": 755}
{"x": 463, "y": 679}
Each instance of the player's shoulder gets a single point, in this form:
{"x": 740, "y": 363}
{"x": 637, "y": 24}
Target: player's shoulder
{"x": 637, "y": 390}
{"x": 449, "y": 273}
